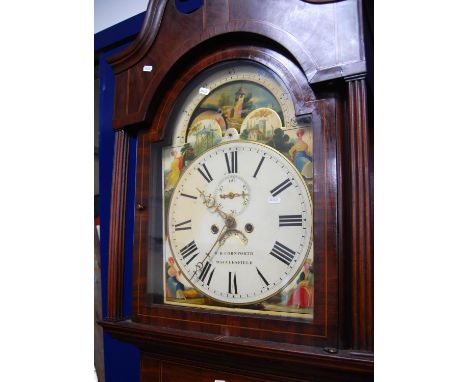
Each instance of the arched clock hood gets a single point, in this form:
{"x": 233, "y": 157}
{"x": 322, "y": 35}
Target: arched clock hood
{"x": 323, "y": 38}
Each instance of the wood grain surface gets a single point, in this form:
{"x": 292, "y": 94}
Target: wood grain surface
{"x": 317, "y": 49}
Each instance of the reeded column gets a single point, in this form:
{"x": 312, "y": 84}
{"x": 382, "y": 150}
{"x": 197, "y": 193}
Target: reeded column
{"x": 117, "y": 228}
{"x": 360, "y": 215}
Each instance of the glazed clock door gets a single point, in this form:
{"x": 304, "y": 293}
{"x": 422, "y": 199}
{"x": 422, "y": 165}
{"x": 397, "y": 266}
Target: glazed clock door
{"x": 234, "y": 206}
{"x": 237, "y": 207}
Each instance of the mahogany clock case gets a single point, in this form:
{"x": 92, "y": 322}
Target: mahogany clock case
{"x": 335, "y": 107}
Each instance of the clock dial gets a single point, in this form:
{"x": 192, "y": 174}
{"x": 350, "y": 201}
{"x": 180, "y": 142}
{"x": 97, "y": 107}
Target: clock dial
{"x": 240, "y": 222}
{"x": 237, "y": 94}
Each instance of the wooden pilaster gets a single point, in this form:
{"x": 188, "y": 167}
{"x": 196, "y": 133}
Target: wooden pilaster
{"x": 117, "y": 228}
{"x": 359, "y": 219}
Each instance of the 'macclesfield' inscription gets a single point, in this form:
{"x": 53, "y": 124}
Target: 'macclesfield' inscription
{"x": 234, "y": 262}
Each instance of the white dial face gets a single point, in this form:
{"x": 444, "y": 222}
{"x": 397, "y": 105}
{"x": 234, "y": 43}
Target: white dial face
{"x": 240, "y": 222}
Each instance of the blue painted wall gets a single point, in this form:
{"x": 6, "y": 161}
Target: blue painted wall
{"x": 122, "y": 361}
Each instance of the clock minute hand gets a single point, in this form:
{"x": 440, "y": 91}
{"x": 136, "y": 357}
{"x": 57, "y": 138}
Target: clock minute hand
{"x": 200, "y": 264}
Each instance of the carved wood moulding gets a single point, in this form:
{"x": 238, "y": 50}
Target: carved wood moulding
{"x": 117, "y": 228}
{"x": 280, "y": 362}
{"x": 324, "y": 39}
{"x": 360, "y": 220}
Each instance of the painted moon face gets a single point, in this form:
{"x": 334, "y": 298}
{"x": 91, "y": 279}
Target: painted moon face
{"x": 231, "y": 94}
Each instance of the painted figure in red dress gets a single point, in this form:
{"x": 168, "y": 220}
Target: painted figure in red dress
{"x": 302, "y": 296}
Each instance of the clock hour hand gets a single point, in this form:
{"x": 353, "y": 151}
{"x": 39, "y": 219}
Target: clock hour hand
{"x": 210, "y": 202}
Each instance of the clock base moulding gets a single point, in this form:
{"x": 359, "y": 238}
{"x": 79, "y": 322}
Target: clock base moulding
{"x": 217, "y": 354}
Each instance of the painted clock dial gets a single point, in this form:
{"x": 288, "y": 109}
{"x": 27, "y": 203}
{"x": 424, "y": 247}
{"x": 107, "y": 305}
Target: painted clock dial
{"x": 240, "y": 222}
{"x": 234, "y": 94}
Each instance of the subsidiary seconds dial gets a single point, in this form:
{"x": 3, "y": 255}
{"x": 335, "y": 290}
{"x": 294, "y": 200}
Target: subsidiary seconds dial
{"x": 240, "y": 222}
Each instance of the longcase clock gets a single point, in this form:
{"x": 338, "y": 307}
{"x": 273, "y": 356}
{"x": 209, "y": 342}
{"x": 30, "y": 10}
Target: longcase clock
{"x": 252, "y": 251}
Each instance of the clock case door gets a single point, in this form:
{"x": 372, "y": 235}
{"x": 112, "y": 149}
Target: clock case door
{"x": 322, "y": 112}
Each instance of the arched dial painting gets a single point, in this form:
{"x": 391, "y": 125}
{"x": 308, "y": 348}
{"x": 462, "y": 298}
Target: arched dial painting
{"x": 237, "y": 183}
